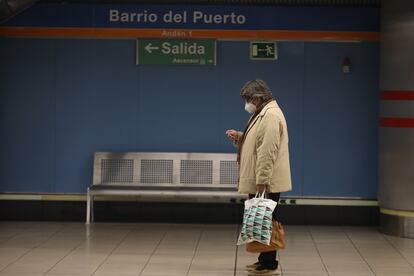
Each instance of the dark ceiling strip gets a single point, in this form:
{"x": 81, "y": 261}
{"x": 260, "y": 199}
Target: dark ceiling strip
{"x": 351, "y": 3}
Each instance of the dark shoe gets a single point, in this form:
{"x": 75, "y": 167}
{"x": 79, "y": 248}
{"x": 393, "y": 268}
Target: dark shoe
{"x": 264, "y": 271}
{"x": 252, "y": 266}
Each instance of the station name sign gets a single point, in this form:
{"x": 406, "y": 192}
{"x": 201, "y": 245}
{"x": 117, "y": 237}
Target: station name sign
{"x": 196, "y": 17}
{"x": 183, "y": 17}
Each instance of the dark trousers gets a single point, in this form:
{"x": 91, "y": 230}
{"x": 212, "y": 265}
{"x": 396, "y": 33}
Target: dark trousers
{"x": 268, "y": 259}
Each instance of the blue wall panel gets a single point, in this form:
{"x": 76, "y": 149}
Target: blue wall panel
{"x": 96, "y": 106}
{"x": 27, "y": 112}
{"x": 340, "y": 123}
{"x": 63, "y": 100}
{"x": 178, "y": 109}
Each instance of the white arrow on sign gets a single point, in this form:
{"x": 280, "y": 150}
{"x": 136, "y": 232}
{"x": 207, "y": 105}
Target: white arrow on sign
{"x": 149, "y": 48}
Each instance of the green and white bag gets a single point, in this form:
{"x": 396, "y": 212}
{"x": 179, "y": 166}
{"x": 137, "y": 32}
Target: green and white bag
{"x": 257, "y": 220}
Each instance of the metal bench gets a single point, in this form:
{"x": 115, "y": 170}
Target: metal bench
{"x": 175, "y": 175}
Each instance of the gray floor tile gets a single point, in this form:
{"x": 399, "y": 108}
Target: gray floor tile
{"x": 68, "y": 274}
{"x": 116, "y": 268}
{"x": 165, "y": 269}
{"x": 10, "y": 255}
{"x": 304, "y": 273}
{"x": 104, "y": 249}
{"x": 19, "y": 274}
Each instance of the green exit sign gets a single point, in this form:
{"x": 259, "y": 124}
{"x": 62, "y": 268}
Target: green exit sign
{"x": 263, "y": 50}
{"x": 176, "y": 51}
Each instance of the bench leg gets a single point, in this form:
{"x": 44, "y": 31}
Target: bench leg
{"x": 92, "y": 211}
{"x": 88, "y": 208}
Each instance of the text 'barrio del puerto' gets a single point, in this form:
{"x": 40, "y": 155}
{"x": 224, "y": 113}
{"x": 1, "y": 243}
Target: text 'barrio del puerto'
{"x": 196, "y": 17}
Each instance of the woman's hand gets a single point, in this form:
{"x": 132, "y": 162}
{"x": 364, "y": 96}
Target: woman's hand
{"x": 232, "y": 134}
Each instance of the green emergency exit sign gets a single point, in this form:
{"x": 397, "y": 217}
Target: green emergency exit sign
{"x": 176, "y": 51}
{"x": 263, "y": 50}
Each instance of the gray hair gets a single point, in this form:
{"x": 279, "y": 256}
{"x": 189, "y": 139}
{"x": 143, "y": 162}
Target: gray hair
{"x": 256, "y": 89}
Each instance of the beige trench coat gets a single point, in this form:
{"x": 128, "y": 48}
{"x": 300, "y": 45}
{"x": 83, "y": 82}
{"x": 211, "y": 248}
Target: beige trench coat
{"x": 265, "y": 154}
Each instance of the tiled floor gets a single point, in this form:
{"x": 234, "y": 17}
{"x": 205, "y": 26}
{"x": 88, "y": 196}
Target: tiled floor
{"x": 36, "y": 248}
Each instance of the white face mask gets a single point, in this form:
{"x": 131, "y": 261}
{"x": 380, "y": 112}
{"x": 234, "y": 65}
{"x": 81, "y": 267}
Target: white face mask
{"x": 249, "y": 107}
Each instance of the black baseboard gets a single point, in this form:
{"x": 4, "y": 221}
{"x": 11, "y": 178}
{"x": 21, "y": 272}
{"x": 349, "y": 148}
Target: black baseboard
{"x": 167, "y": 212}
